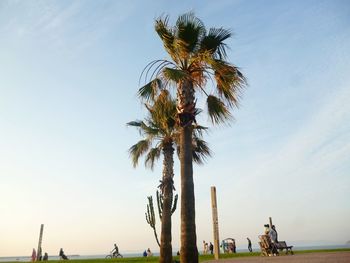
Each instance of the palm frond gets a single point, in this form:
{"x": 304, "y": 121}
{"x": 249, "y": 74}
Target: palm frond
{"x": 230, "y": 81}
{"x": 167, "y": 36}
{"x": 163, "y": 113}
{"x": 213, "y": 42}
{"x": 200, "y": 150}
{"x": 175, "y": 75}
{"x": 150, "y": 130}
{"x": 150, "y": 90}
{"x": 152, "y": 156}
{"x": 137, "y": 150}
{"x": 217, "y": 110}
{"x": 134, "y": 123}
{"x": 189, "y": 32}
{"x": 198, "y": 130}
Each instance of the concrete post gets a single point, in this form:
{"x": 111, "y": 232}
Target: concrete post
{"x": 215, "y": 222}
{"x": 39, "y": 251}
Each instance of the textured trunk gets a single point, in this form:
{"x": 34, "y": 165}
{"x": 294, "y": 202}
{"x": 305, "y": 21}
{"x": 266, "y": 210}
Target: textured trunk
{"x": 167, "y": 191}
{"x": 186, "y": 109}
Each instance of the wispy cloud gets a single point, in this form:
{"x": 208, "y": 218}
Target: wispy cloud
{"x": 68, "y": 26}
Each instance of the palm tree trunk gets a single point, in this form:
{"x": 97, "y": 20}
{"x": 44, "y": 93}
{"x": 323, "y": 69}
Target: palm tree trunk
{"x": 186, "y": 109}
{"x": 189, "y": 252}
{"x": 167, "y": 191}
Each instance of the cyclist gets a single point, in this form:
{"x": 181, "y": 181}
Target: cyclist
{"x": 115, "y": 251}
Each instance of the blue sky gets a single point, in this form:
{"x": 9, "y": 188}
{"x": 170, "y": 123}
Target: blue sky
{"x": 69, "y": 75}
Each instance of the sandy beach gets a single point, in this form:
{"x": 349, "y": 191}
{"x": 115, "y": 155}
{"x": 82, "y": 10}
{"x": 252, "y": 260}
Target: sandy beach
{"x": 336, "y": 257}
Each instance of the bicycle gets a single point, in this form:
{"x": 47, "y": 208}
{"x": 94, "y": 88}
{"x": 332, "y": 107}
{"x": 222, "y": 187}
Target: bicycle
{"x": 114, "y": 255}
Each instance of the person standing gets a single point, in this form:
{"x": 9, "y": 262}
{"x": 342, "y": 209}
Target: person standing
{"x": 211, "y": 248}
{"x": 205, "y": 247}
{"x": 33, "y": 255}
{"x": 149, "y": 253}
{"x": 249, "y": 245}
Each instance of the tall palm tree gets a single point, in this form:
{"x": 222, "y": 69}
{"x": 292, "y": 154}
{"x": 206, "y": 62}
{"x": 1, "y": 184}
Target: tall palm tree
{"x": 197, "y": 55}
{"x": 161, "y": 136}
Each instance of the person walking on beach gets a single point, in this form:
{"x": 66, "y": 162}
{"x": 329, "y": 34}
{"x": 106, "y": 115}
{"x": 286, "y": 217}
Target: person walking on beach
{"x": 205, "y": 247}
{"x": 33, "y": 255}
{"x": 249, "y": 245}
{"x": 211, "y": 248}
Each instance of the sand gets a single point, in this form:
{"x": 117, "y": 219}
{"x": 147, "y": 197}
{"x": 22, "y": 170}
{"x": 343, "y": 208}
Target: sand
{"x": 322, "y": 257}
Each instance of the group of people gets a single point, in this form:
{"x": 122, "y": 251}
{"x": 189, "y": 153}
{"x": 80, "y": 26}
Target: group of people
{"x": 207, "y": 248}
{"x": 147, "y": 253}
{"x": 40, "y": 257}
{"x": 228, "y": 245}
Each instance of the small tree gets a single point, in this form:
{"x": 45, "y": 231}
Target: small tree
{"x": 160, "y": 137}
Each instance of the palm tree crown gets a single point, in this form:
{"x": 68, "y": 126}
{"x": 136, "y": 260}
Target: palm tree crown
{"x": 197, "y": 55}
{"x": 160, "y": 129}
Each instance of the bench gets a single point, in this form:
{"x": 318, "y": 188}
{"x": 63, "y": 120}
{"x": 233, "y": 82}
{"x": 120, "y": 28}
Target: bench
{"x": 281, "y": 245}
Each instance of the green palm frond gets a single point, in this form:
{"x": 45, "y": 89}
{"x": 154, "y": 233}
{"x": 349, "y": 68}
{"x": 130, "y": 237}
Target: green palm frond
{"x": 217, "y": 110}
{"x": 167, "y": 36}
{"x": 198, "y": 130}
{"x": 230, "y": 81}
{"x": 175, "y": 75}
{"x": 145, "y": 128}
{"x": 189, "y": 32}
{"x": 137, "y": 150}
{"x": 150, "y": 90}
{"x": 200, "y": 150}
{"x": 163, "y": 113}
{"x": 213, "y": 42}
{"x": 134, "y": 123}
{"x": 152, "y": 156}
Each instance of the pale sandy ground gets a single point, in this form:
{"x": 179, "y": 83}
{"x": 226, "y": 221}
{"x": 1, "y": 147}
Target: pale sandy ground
{"x": 324, "y": 257}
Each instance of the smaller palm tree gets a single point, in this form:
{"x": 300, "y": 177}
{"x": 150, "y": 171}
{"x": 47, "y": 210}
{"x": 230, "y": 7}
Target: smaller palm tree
{"x": 161, "y": 136}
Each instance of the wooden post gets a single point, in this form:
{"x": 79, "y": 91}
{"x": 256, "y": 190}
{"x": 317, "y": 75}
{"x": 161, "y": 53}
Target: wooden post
{"x": 270, "y": 218}
{"x": 215, "y": 222}
{"x": 39, "y": 251}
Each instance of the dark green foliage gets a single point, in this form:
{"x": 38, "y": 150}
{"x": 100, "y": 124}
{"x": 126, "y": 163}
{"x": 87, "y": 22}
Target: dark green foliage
{"x": 150, "y": 217}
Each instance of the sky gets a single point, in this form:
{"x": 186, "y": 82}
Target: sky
{"x": 69, "y": 74}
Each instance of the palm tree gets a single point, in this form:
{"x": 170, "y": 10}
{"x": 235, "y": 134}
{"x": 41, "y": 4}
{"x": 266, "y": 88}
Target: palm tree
{"x": 197, "y": 55}
{"x": 161, "y": 136}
